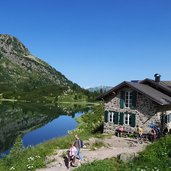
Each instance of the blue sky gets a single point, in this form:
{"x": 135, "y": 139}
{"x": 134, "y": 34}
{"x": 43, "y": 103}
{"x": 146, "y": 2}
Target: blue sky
{"x": 94, "y": 42}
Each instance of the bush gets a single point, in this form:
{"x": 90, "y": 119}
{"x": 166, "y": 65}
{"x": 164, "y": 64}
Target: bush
{"x": 155, "y": 157}
{"x": 97, "y": 144}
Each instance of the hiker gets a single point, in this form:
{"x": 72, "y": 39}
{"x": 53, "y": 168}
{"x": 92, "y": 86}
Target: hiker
{"x": 78, "y": 145}
{"x": 153, "y": 135}
{"x": 139, "y": 134}
{"x": 157, "y": 130}
{"x": 72, "y": 155}
{"x": 120, "y": 130}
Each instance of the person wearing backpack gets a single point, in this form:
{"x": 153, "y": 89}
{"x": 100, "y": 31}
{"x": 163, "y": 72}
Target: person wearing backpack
{"x": 153, "y": 135}
{"x": 78, "y": 145}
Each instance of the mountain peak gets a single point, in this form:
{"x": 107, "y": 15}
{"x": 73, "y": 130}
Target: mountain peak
{"x": 11, "y": 45}
{"x": 22, "y": 71}
{"x": 99, "y": 88}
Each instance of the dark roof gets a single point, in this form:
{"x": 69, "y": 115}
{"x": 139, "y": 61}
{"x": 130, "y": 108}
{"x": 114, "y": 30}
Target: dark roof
{"x": 166, "y": 84}
{"x": 147, "y": 90}
{"x": 152, "y": 93}
{"x": 163, "y": 86}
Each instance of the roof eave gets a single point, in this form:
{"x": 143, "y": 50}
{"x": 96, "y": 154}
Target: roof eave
{"x": 126, "y": 83}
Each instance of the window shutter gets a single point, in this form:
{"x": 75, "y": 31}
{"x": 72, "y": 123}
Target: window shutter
{"x": 115, "y": 117}
{"x": 122, "y": 99}
{"x": 106, "y": 116}
{"x": 133, "y": 118}
{"x": 162, "y": 119}
{"x": 121, "y": 118}
{"x": 165, "y": 119}
{"x": 134, "y": 99}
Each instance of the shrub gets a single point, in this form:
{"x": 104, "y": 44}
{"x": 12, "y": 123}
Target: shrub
{"x": 97, "y": 144}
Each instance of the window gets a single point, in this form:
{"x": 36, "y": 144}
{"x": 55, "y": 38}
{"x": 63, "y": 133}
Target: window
{"x": 128, "y": 99}
{"x": 168, "y": 118}
{"x": 127, "y": 119}
{"x": 111, "y": 116}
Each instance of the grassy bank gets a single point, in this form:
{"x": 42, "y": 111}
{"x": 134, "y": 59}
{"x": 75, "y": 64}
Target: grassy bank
{"x": 33, "y": 157}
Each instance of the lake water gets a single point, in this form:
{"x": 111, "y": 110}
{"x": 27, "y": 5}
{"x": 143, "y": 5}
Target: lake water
{"x": 37, "y": 123}
{"x": 56, "y": 128}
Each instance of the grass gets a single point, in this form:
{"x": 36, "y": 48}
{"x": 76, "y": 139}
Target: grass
{"x": 101, "y": 165}
{"x": 156, "y": 156}
{"x": 32, "y": 158}
{"x": 97, "y": 144}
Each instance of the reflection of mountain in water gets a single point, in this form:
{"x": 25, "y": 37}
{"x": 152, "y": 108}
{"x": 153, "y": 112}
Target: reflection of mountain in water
{"x": 21, "y": 118}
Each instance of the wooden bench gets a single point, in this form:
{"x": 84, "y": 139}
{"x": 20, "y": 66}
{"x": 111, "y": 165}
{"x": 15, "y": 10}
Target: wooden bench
{"x": 124, "y": 133}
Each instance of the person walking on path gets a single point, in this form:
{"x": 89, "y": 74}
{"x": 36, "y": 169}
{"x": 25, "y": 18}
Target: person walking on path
{"x": 78, "y": 146}
{"x": 140, "y": 132}
{"x": 72, "y": 155}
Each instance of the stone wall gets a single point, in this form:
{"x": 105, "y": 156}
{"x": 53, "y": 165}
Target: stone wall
{"x": 109, "y": 128}
{"x": 113, "y": 104}
{"x": 146, "y": 112}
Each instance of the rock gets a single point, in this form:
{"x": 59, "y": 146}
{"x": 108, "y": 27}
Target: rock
{"x": 131, "y": 144}
{"x": 126, "y": 157}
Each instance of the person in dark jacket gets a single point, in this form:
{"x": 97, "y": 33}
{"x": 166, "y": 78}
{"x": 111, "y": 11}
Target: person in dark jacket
{"x": 78, "y": 146}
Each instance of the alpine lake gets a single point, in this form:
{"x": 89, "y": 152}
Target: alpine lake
{"x": 36, "y": 123}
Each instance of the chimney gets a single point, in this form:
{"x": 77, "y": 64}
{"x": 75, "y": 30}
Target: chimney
{"x": 157, "y": 77}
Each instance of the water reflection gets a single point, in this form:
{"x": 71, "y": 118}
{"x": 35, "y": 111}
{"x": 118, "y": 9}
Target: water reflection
{"x": 56, "y": 128}
{"x": 37, "y": 122}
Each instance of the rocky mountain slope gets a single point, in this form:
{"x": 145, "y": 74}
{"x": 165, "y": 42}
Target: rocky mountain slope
{"x": 20, "y": 71}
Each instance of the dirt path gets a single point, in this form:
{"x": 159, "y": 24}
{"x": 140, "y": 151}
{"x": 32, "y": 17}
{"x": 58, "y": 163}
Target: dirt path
{"x": 114, "y": 147}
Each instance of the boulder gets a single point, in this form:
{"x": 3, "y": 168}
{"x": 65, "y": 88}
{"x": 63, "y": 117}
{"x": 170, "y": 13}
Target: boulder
{"x": 126, "y": 157}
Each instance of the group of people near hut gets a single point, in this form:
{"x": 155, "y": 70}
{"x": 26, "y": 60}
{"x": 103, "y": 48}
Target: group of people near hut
{"x": 151, "y": 136}
{"x": 74, "y": 152}
{"x": 139, "y": 132}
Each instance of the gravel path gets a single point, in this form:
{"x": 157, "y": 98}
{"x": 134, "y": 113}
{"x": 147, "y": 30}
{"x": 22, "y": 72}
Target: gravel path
{"x": 114, "y": 147}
